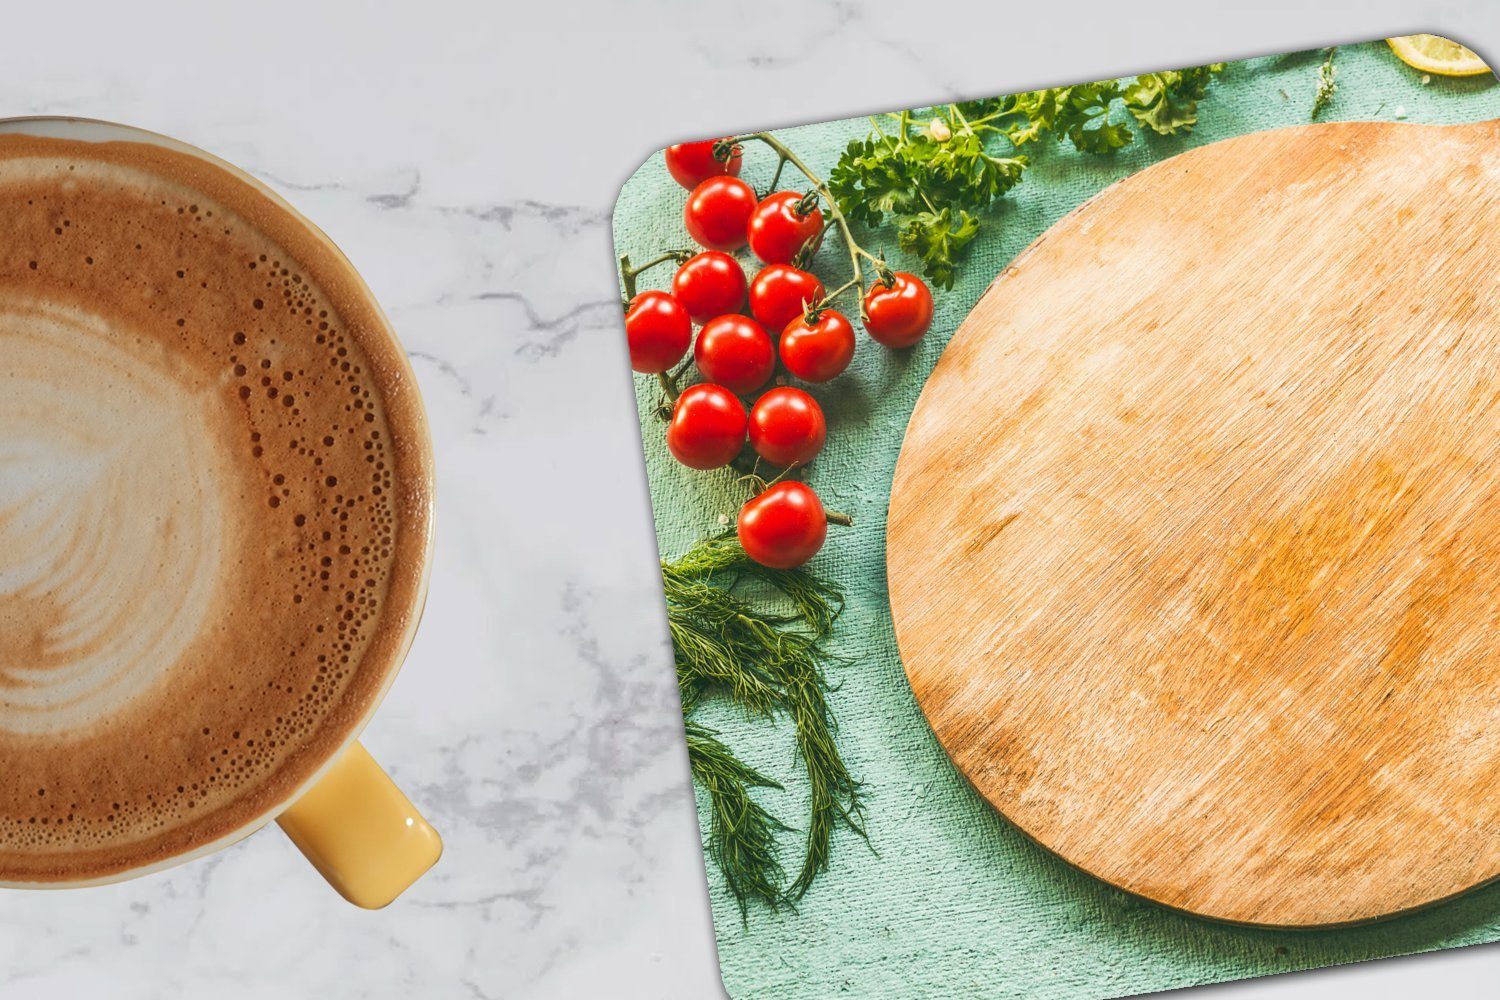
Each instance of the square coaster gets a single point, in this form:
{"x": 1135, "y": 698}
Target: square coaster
{"x": 1051, "y": 773}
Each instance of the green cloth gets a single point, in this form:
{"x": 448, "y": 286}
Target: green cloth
{"x": 953, "y": 901}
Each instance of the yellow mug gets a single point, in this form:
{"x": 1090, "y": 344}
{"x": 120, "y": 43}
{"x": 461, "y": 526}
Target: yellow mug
{"x": 350, "y": 820}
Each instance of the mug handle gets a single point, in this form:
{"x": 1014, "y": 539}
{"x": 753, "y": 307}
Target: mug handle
{"x": 360, "y": 832}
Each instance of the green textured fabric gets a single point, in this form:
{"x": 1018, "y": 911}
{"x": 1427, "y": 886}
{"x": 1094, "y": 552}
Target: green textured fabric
{"x": 957, "y": 903}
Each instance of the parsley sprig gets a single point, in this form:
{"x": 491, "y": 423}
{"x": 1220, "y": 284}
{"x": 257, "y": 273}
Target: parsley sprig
{"x": 932, "y": 181}
{"x": 934, "y": 173}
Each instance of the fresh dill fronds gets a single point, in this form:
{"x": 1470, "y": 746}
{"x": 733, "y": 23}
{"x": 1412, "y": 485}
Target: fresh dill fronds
{"x": 834, "y": 791}
{"x": 742, "y": 833}
{"x": 1326, "y": 84}
{"x": 719, "y": 647}
{"x": 755, "y": 635}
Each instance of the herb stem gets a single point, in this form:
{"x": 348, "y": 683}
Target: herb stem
{"x": 962, "y": 121}
{"x": 989, "y": 117}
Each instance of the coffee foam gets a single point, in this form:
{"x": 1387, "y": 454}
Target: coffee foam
{"x": 97, "y": 609}
{"x": 212, "y": 511}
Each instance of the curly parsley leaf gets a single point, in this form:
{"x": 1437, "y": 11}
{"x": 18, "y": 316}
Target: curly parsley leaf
{"x": 938, "y": 238}
{"x": 960, "y": 172}
{"x": 1079, "y": 113}
{"x": 873, "y": 179}
{"x": 930, "y": 189}
{"x": 1167, "y": 103}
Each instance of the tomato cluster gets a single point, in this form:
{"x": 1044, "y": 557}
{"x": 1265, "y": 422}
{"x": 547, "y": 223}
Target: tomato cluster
{"x": 781, "y": 313}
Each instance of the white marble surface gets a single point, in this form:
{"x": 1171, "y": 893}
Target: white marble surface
{"x": 466, "y": 156}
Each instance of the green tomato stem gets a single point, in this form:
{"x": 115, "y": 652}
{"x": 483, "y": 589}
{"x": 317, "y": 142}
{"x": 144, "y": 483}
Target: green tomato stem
{"x": 781, "y": 149}
{"x": 629, "y": 274}
{"x": 668, "y": 385}
{"x": 827, "y": 299}
{"x": 776, "y": 178}
{"x": 758, "y": 484}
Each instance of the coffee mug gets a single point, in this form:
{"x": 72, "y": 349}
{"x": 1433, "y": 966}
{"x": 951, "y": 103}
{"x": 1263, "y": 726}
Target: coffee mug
{"x": 349, "y": 819}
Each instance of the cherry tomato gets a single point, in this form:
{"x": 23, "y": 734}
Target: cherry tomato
{"x": 736, "y": 352}
{"x": 777, "y": 230}
{"x": 707, "y": 428}
{"x": 710, "y": 284}
{"x": 787, "y": 427}
{"x": 818, "y": 349}
{"x": 783, "y": 527}
{"x": 717, "y": 212}
{"x": 899, "y": 313}
{"x": 692, "y": 163}
{"x": 658, "y": 330}
{"x": 779, "y": 293}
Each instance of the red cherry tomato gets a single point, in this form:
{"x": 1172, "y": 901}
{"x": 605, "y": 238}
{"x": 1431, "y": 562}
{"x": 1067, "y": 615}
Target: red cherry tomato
{"x": 710, "y": 284}
{"x": 692, "y": 163}
{"x": 787, "y": 427}
{"x": 777, "y": 230}
{"x": 819, "y": 349}
{"x": 707, "y": 428}
{"x": 899, "y": 313}
{"x": 779, "y": 293}
{"x": 783, "y": 527}
{"x": 717, "y": 212}
{"x": 658, "y": 330}
{"x": 735, "y": 352}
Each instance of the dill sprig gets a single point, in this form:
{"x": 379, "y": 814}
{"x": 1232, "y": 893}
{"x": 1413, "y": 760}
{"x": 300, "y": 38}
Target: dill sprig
{"x": 742, "y": 833}
{"x": 772, "y": 664}
{"x": 835, "y": 793}
{"x": 1327, "y": 87}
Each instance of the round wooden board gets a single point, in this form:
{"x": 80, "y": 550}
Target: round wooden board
{"x": 1194, "y": 540}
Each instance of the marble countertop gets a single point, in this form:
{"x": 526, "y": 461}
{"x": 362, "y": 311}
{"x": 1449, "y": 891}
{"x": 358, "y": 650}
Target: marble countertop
{"x": 467, "y": 164}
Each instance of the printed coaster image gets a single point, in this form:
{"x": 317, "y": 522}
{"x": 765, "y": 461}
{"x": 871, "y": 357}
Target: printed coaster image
{"x": 1079, "y": 514}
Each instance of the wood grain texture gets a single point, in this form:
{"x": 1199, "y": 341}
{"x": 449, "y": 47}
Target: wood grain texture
{"x": 1194, "y": 540}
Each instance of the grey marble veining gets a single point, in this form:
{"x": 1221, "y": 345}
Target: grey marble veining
{"x": 466, "y": 157}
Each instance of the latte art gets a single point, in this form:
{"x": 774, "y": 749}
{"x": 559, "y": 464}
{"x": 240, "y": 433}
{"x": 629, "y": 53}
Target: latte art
{"x": 97, "y": 610}
{"x": 213, "y": 511}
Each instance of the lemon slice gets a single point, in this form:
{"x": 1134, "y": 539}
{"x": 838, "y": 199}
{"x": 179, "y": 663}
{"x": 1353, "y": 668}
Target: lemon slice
{"x": 1436, "y": 54}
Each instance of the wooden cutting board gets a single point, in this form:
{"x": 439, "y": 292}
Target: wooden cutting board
{"x": 1194, "y": 541}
